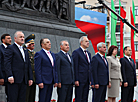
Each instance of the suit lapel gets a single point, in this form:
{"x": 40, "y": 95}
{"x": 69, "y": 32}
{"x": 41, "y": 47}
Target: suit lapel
{"x": 47, "y": 56}
{"x": 129, "y": 62}
{"x": 18, "y": 50}
{"x": 84, "y": 56}
{"x": 102, "y": 59}
{"x": 65, "y": 56}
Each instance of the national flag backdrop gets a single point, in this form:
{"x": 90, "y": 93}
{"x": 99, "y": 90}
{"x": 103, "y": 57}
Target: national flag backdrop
{"x": 92, "y": 23}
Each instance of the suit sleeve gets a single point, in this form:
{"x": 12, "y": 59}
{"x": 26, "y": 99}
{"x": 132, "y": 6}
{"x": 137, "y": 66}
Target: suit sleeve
{"x": 135, "y": 73}
{"x": 37, "y": 60}
{"x": 109, "y": 66}
{"x": 123, "y": 70}
{"x": 94, "y": 64}
{"x": 58, "y": 68}
{"x": 8, "y": 60}
{"x": 75, "y": 57}
{"x": 1, "y": 74}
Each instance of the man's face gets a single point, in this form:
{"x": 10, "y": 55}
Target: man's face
{"x": 128, "y": 51}
{"x": 7, "y": 40}
{"x": 47, "y": 44}
{"x": 102, "y": 49}
{"x": 31, "y": 46}
{"x": 65, "y": 46}
{"x": 85, "y": 43}
{"x": 19, "y": 39}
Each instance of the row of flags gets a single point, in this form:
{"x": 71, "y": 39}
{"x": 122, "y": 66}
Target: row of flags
{"x": 113, "y": 28}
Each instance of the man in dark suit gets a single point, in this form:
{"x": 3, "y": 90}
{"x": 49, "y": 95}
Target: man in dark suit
{"x": 45, "y": 71}
{"x": 6, "y": 40}
{"x": 18, "y": 69}
{"x": 129, "y": 76}
{"x": 65, "y": 73}
{"x": 100, "y": 73}
{"x": 29, "y": 44}
{"x": 82, "y": 58}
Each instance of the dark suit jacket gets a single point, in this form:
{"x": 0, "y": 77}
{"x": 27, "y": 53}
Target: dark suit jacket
{"x": 99, "y": 70}
{"x": 15, "y": 65}
{"x": 128, "y": 72}
{"x": 65, "y": 69}
{"x": 2, "y": 70}
{"x": 44, "y": 71}
{"x": 81, "y": 66}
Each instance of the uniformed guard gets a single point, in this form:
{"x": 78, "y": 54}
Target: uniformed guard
{"x": 29, "y": 44}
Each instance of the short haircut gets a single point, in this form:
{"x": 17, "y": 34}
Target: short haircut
{"x": 42, "y": 41}
{"x": 125, "y": 48}
{"x": 100, "y": 45}
{"x": 81, "y": 39}
{"x": 3, "y": 36}
{"x": 61, "y": 42}
{"x": 15, "y": 35}
{"x": 111, "y": 49}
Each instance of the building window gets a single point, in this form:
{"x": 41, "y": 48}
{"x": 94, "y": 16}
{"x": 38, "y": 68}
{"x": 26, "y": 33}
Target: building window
{"x": 136, "y": 45}
{"x": 118, "y": 45}
{"x": 117, "y": 28}
{"x": 136, "y": 25}
{"x": 136, "y": 10}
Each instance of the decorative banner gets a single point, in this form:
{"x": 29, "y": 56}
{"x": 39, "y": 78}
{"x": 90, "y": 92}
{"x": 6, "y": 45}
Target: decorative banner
{"x": 92, "y": 23}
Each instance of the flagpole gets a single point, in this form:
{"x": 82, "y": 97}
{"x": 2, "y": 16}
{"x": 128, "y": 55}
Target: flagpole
{"x": 123, "y": 20}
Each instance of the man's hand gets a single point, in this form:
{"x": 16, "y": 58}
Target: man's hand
{"x": 59, "y": 85}
{"x": 92, "y": 86}
{"x": 1, "y": 81}
{"x": 120, "y": 83}
{"x": 135, "y": 85}
{"x": 125, "y": 84}
{"x": 30, "y": 82}
{"x": 77, "y": 83}
{"x": 97, "y": 86}
{"x": 41, "y": 85}
{"x": 56, "y": 84}
{"x": 109, "y": 86}
{"x": 11, "y": 80}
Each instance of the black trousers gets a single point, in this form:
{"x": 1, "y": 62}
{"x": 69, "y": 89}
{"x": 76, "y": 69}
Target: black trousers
{"x": 30, "y": 93}
{"x": 127, "y": 93}
{"x": 81, "y": 92}
{"x": 16, "y": 92}
{"x": 65, "y": 93}
{"x": 100, "y": 93}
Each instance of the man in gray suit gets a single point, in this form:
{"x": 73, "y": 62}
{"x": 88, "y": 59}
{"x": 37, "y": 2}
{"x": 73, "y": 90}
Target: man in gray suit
{"x": 65, "y": 73}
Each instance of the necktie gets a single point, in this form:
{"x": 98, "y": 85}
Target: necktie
{"x": 86, "y": 55}
{"x": 22, "y": 52}
{"x": 68, "y": 57}
{"x": 104, "y": 60}
{"x": 51, "y": 58}
{"x": 131, "y": 61}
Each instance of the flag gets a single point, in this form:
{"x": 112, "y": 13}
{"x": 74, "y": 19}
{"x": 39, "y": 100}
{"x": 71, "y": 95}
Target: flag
{"x": 122, "y": 14}
{"x": 133, "y": 11}
{"x": 132, "y": 36}
{"x": 113, "y": 25}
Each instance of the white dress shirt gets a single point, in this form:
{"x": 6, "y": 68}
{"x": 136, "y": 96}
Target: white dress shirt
{"x": 66, "y": 55}
{"x": 85, "y": 53}
{"x": 50, "y": 56}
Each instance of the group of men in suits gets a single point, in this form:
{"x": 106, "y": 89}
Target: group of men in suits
{"x": 61, "y": 70}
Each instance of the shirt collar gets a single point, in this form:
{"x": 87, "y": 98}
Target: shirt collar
{"x": 83, "y": 49}
{"x": 30, "y": 50}
{"x": 127, "y": 57}
{"x": 101, "y": 55}
{"x": 64, "y": 52}
{"x": 45, "y": 50}
{"x": 4, "y": 45}
{"x": 18, "y": 45}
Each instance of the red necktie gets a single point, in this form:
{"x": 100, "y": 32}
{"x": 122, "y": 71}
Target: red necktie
{"x": 104, "y": 60}
{"x": 86, "y": 55}
{"x": 131, "y": 61}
